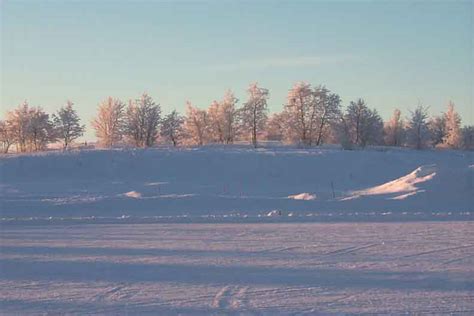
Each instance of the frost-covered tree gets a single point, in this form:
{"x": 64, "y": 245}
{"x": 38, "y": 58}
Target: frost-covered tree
{"x": 275, "y": 127}
{"x": 394, "y": 129}
{"x": 109, "y": 122}
{"x": 418, "y": 134}
{"x": 19, "y": 121}
{"x": 361, "y": 126}
{"x": 299, "y": 110}
{"x": 229, "y": 116}
{"x": 343, "y": 133}
{"x": 453, "y": 137}
{"x": 142, "y": 121}
{"x": 310, "y": 113}
{"x": 216, "y": 124}
{"x": 196, "y": 125}
{"x": 253, "y": 114}
{"x": 222, "y": 117}
{"x": 327, "y": 111}
{"x": 437, "y": 130}
{"x": 468, "y": 137}
{"x": 67, "y": 124}
{"x": 7, "y": 138}
{"x": 40, "y": 130}
{"x": 30, "y": 127}
{"x": 172, "y": 128}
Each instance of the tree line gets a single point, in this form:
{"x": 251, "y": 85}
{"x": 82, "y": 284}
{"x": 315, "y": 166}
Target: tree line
{"x": 312, "y": 116}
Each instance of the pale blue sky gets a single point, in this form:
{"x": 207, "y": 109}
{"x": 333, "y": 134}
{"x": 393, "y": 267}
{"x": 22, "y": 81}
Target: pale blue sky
{"x": 390, "y": 54}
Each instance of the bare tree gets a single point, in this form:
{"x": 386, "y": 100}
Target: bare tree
{"x": 67, "y": 124}
{"x": 172, "y": 127}
{"x": 109, "y": 122}
{"x": 254, "y": 111}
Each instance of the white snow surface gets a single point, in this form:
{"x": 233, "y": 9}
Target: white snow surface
{"x": 133, "y": 194}
{"x": 236, "y": 182}
{"x": 411, "y": 268}
{"x": 303, "y": 196}
{"x": 219, "y": 231}
{"x": 405, "y": 185}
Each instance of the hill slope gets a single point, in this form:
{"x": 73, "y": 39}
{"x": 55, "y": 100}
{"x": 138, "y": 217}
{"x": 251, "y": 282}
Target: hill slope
{"x": 238, "y": 182}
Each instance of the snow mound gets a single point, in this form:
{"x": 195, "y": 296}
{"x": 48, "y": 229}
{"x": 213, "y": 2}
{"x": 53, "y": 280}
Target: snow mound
{"x": 274, "y": 213}
{"x": 404, "y": 196}
{"x": 73, "y": 199}
{"x": 151, "y": 184}
{"x": 133, "y": 194}
{"x": 177, "y": 196}
{"x": 303, "y": 196}
{"x": 405, "y": 185}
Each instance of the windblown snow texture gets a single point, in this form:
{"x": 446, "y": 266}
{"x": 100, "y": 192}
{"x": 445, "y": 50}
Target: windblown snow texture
{"x": 238, "y": 182}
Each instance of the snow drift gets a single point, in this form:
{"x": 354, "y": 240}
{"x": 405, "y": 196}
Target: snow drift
{"x": 235, "y": 182}
{"x": 303, "y": 196}
{"x": 133, "y": 194}
{"x": 405, "y": 185}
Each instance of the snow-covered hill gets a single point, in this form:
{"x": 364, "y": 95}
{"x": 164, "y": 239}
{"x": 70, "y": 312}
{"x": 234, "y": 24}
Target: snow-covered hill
{"x": 256, "y": 261}
{"x": 238, "y": 182}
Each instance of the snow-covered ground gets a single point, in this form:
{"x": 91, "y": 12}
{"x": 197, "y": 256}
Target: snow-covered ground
{"x": 236, "y": 268}
{"x": 238, "y": 182}
{"x": 237, "y": 231}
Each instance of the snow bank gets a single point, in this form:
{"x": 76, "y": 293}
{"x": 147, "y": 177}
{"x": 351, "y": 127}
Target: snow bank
{"x": 405, "y": 185}
{"x": 303, "y": 196}
{"x": 133, "y": 194}
{"x": 235, "y": 182}
{"x": 274, "y": 213}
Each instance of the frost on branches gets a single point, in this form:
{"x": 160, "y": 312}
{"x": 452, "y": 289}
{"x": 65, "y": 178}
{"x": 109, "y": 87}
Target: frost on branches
{"x": 254, "y": 112}
{"x": 67, "y": 124}
{"x": 109, "y": 122}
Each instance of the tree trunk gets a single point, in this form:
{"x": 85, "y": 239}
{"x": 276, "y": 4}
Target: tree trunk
{"x": 7, "y": 147}
{"x": 254, "y": 130}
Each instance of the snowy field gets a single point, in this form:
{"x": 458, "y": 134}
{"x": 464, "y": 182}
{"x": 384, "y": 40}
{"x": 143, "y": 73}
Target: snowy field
{"x": 237, "y": 231}
{"x": 247, "y": 269}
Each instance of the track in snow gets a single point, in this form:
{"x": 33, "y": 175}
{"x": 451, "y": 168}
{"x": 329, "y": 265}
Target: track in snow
{"x": 292, "y": 268}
